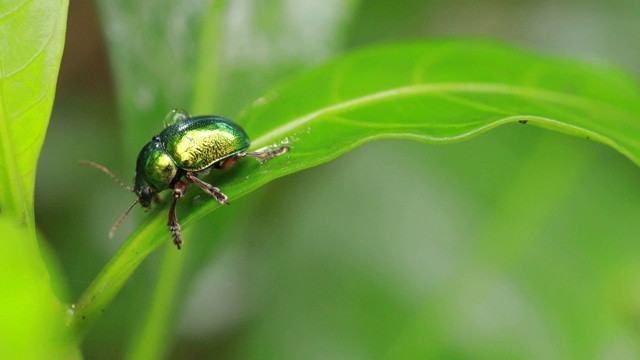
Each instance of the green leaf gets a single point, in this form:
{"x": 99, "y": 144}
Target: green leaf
{"x": 435, "y": 92}
{"x": 32, "y": 43}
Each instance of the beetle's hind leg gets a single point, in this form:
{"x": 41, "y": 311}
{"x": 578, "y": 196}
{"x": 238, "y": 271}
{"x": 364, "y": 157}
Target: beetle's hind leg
{"x": 208, "y": 188}
{"x": 179, "y": 189}
{"x": 263, "y": 154}
{"x": 266, "y": 153}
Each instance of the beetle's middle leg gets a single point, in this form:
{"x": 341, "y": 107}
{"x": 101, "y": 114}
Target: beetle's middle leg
{"x": 179, "y": 189}
{"x": 208, "y": 188}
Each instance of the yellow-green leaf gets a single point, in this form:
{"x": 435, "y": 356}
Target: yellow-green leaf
{"x": 31, "y": 43}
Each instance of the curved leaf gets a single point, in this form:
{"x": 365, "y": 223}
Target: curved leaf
{"x": 32, "y": 43}
{"x": 433, "y": 92}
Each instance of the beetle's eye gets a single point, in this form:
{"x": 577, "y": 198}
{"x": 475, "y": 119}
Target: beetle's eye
{"x": 145, "y": 195}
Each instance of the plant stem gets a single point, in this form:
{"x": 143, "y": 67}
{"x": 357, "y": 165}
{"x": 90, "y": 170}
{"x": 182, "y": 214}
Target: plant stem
{"x": 150, "y": 341}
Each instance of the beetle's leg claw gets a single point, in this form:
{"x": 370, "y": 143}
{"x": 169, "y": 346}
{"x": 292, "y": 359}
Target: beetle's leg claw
{"x": 218, "y": 195}
{"x": 175, "y": 233}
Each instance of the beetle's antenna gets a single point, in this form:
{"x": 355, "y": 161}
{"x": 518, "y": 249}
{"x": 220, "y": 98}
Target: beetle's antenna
{"x": 106, "y": 171}
{"x": 115, "y": 226}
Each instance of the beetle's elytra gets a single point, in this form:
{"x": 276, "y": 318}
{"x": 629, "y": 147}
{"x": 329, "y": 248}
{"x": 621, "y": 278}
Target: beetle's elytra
{"x": 186, "y": 147}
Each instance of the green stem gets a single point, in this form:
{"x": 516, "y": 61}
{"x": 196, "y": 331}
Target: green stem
{"x": 150, "y": 341}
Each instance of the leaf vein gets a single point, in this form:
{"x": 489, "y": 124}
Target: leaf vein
{"x": 5, "y": 16}
{"x": 39, "y": 52}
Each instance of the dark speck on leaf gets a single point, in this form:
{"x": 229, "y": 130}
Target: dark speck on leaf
{"x": 522, "y": 121}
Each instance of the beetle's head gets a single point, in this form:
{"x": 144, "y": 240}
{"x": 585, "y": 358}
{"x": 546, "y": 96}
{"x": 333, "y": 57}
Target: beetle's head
{"x": 155, "y": 171}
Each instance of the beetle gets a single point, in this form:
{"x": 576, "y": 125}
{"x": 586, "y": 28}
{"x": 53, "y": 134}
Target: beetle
{"x": 187, "y": 147}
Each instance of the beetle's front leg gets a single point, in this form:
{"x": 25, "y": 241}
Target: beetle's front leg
{"x": 208, "y": 188}
{"x": 179, "y": 189}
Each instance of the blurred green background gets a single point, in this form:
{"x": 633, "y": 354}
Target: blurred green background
{"x": 520, "y": 243}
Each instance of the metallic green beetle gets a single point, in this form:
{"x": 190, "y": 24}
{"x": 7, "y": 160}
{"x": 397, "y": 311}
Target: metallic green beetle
{"x": 188, "y": 146}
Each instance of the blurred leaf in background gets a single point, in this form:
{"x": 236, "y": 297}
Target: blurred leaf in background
{"x": 519, "y": 243}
